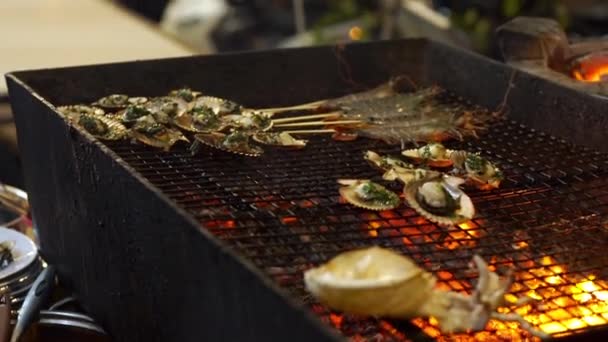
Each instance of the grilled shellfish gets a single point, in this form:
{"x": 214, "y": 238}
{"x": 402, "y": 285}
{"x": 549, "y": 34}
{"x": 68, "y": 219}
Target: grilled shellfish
{"x": 381, "y": 283}
{"x": 118, "y": 101}
{"x": 218, "y": 105}
{"x": 102, "y": 127}
{"x": 440, "y": 200}
{"x": 74, "y": 111}
{"x": 185, "y": 94}
{"x": 166, "y": 108}
{"x": 478, "y": 171}
{"x": 152, "y": 133}
{"x": 368, "y": 195}
{"x": 386, "y": 163}
{"x": 200, "y": 119}
{"x": 282, "y": 139}
{"x": 433, "y": 154}
{"x": 236, "y": 142}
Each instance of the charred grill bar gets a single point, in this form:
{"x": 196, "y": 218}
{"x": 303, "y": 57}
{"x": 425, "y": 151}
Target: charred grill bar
{"x": 213, "y": 246}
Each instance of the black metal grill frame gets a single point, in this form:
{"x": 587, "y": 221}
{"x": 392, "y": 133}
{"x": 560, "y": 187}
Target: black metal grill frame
{"x": 83, "y": 202}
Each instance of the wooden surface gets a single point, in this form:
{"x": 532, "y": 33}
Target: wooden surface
{"x": 50, "y": 33}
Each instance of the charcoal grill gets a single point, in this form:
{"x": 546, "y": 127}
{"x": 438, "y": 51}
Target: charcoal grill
{"x": 168, "y": 246}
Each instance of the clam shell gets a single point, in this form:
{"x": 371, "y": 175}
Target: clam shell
{"x": 465, "y": 213}
{"x": 349, "y": 193}
{"x": 164, "y": 141}
{"x": 215, "y": 140}
{"x": 372, "y": 282}
{"x": 282, "y": 139}
{"x": 439, "y": 163}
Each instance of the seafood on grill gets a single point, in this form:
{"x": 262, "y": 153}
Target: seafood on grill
{"x": 152, "y": 133}
{"x": 200, "y": 119}
{"x": 185, "y": 94}
{"x": 253, "y": 121}
{"x": 433, "y": 154}
{"x": 381, "y": 283}
{"x": 218, "y": 105}
{"x": 368, "y": 195}
{"x": 237, "y": 142}
{"x": 102, "y": 127}
{"x": 478, "y": 171}
{"x": 118, "y": 101}
{"x": 282, "y": 139}
{"x": 440, "y": 199}
{"x": 165, "y": 108}
{"x": 6, "y": 253}
{"x": 132, "y": 113}
{"x": 74, "y": 111}
{"x": 386, "y": 163}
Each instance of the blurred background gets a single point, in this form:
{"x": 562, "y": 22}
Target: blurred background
{"x": 51, "y": 33}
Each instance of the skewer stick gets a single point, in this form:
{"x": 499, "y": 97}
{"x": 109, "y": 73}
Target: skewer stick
{"x": 305, "y": 106}
{"x": 320, "y": 123}
{"x": 330, "y": 115}
{"x": 310, "y": 131}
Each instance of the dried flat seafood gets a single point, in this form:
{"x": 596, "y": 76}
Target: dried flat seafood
{"x": 368, "y": 195}
{"x": 433, "y": 154}
{"x": 440, "y": 200}
{"x": 282, "y": 139}
{"x": 236, "y": 142}
{"x": 381, "y": 283}
{"x": 152, "y": 133}
{"x": 478, "y": 171}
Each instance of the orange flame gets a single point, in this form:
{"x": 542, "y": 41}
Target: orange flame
{"x": 591, "y": 68}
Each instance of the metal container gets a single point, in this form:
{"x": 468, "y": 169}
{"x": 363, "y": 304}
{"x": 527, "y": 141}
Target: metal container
{"x": 168, "y": 246}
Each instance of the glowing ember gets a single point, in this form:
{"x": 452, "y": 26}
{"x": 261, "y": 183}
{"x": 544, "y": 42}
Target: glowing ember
{"x": 562, "y": 309}
{"x": 591, "y": 68}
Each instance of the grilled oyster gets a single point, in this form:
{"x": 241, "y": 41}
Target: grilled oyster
{"x": 218, "y": 105}
{"x": 152, "y": 133}
{"x": 386, "y": 163}
{"x": 236, "y": 142}
{"x": 479, "y": 171}
{"x": 440, "y": 200}
{"x": 185, "y": 94}
{"x": 434, "y": 154}
{"x": 248, "y": 122}
{"x": 368, "y": 195}
{"x": 200, "y": 119}
{"x": 283, "y": 139}
{"x": 165, "y": 108}
{"x": 407, "y": 176}
{"x": 102, "y": 127}
{"x": 73, "y": 112}
{"x": 133, "y": 113}
{"x": 118, "y": 101}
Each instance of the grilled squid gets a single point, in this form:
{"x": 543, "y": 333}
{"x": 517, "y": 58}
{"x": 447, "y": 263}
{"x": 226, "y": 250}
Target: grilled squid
{"x": 368, "y": 195}
{"x": 381, "y": 283}
{"x": 434, "y": 154}
{"x": 440, "y": 200}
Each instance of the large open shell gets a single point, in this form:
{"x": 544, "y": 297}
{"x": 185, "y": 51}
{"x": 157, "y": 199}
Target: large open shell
{"x": 407, "y": 176}
{"x": 434, "y": 154}
{"x": 282, "y": 139}
{"x": 185, "y": 94}
{"x": 386, "y": 163}
{"x": 464, "y": 212}
{"x": 187, "y": 122}
{"x": 115, "y": 130}
{"x": 73, "y": 112}
{"x": 169, "y": 106}
{"x": 165, "y": 138}
{"x": 218, "y": 105}
{"x": 350, "y": 192}
{"x": 478, "y": 171}
{"x": 372, "y": 281}
{"x": 217, "y": 140}
{"x": 118, "y": 101}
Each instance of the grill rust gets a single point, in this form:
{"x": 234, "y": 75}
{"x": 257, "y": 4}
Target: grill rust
{"x": 283, "y": 212}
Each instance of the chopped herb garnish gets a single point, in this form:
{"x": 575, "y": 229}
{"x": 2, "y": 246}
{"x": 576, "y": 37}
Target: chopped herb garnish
{"x": 136, "y": 112}
{"x": 377, "y": 193}
{"x": 93, "y": 125}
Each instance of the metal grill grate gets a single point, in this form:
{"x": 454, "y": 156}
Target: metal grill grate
{"x": 282, "y": 211}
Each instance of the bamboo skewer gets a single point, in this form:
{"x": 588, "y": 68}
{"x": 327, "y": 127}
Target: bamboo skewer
{"x": 320, "y": 123}
{"x": 334, "y": 115}
{"x": 305, "y": 106}
{"x": 310, "y": 131}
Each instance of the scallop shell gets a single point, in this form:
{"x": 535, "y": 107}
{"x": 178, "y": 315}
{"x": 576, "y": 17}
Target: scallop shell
{"x": 407, "y": 176}
{"x": 164, "y": 139}
{"x": 482, "y": 182}
{"x": 216, "y": 139}
{"x": 185, "y": 94}
{"x": 440, "y": 161}
{"x": 386, "y": 163}
{"x": 372, "y": 281}
{"x": 72, "y": 112}
{"x": 186, "y": 122}
{"x": 464, "y": 213}
{"x": 282, "y": 139}
{"x": 116, "y": 130}
{"x": 349, "y": 193}
{"x": 218, "y": 105}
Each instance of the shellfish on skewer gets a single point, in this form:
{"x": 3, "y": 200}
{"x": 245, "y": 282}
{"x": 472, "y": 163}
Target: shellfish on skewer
{"x": 381, "y": 283}
{"x": 236, "y": 142}
{"x": 440, "y": 200}
{"x": 433, "y": 154}
{"x": 152, "y": 133}
{"x": 366, "y": 194}
{"x": 478, "y": 171}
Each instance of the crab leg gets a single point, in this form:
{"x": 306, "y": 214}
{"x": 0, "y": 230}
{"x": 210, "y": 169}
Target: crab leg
{"x": 513, "y": 317}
